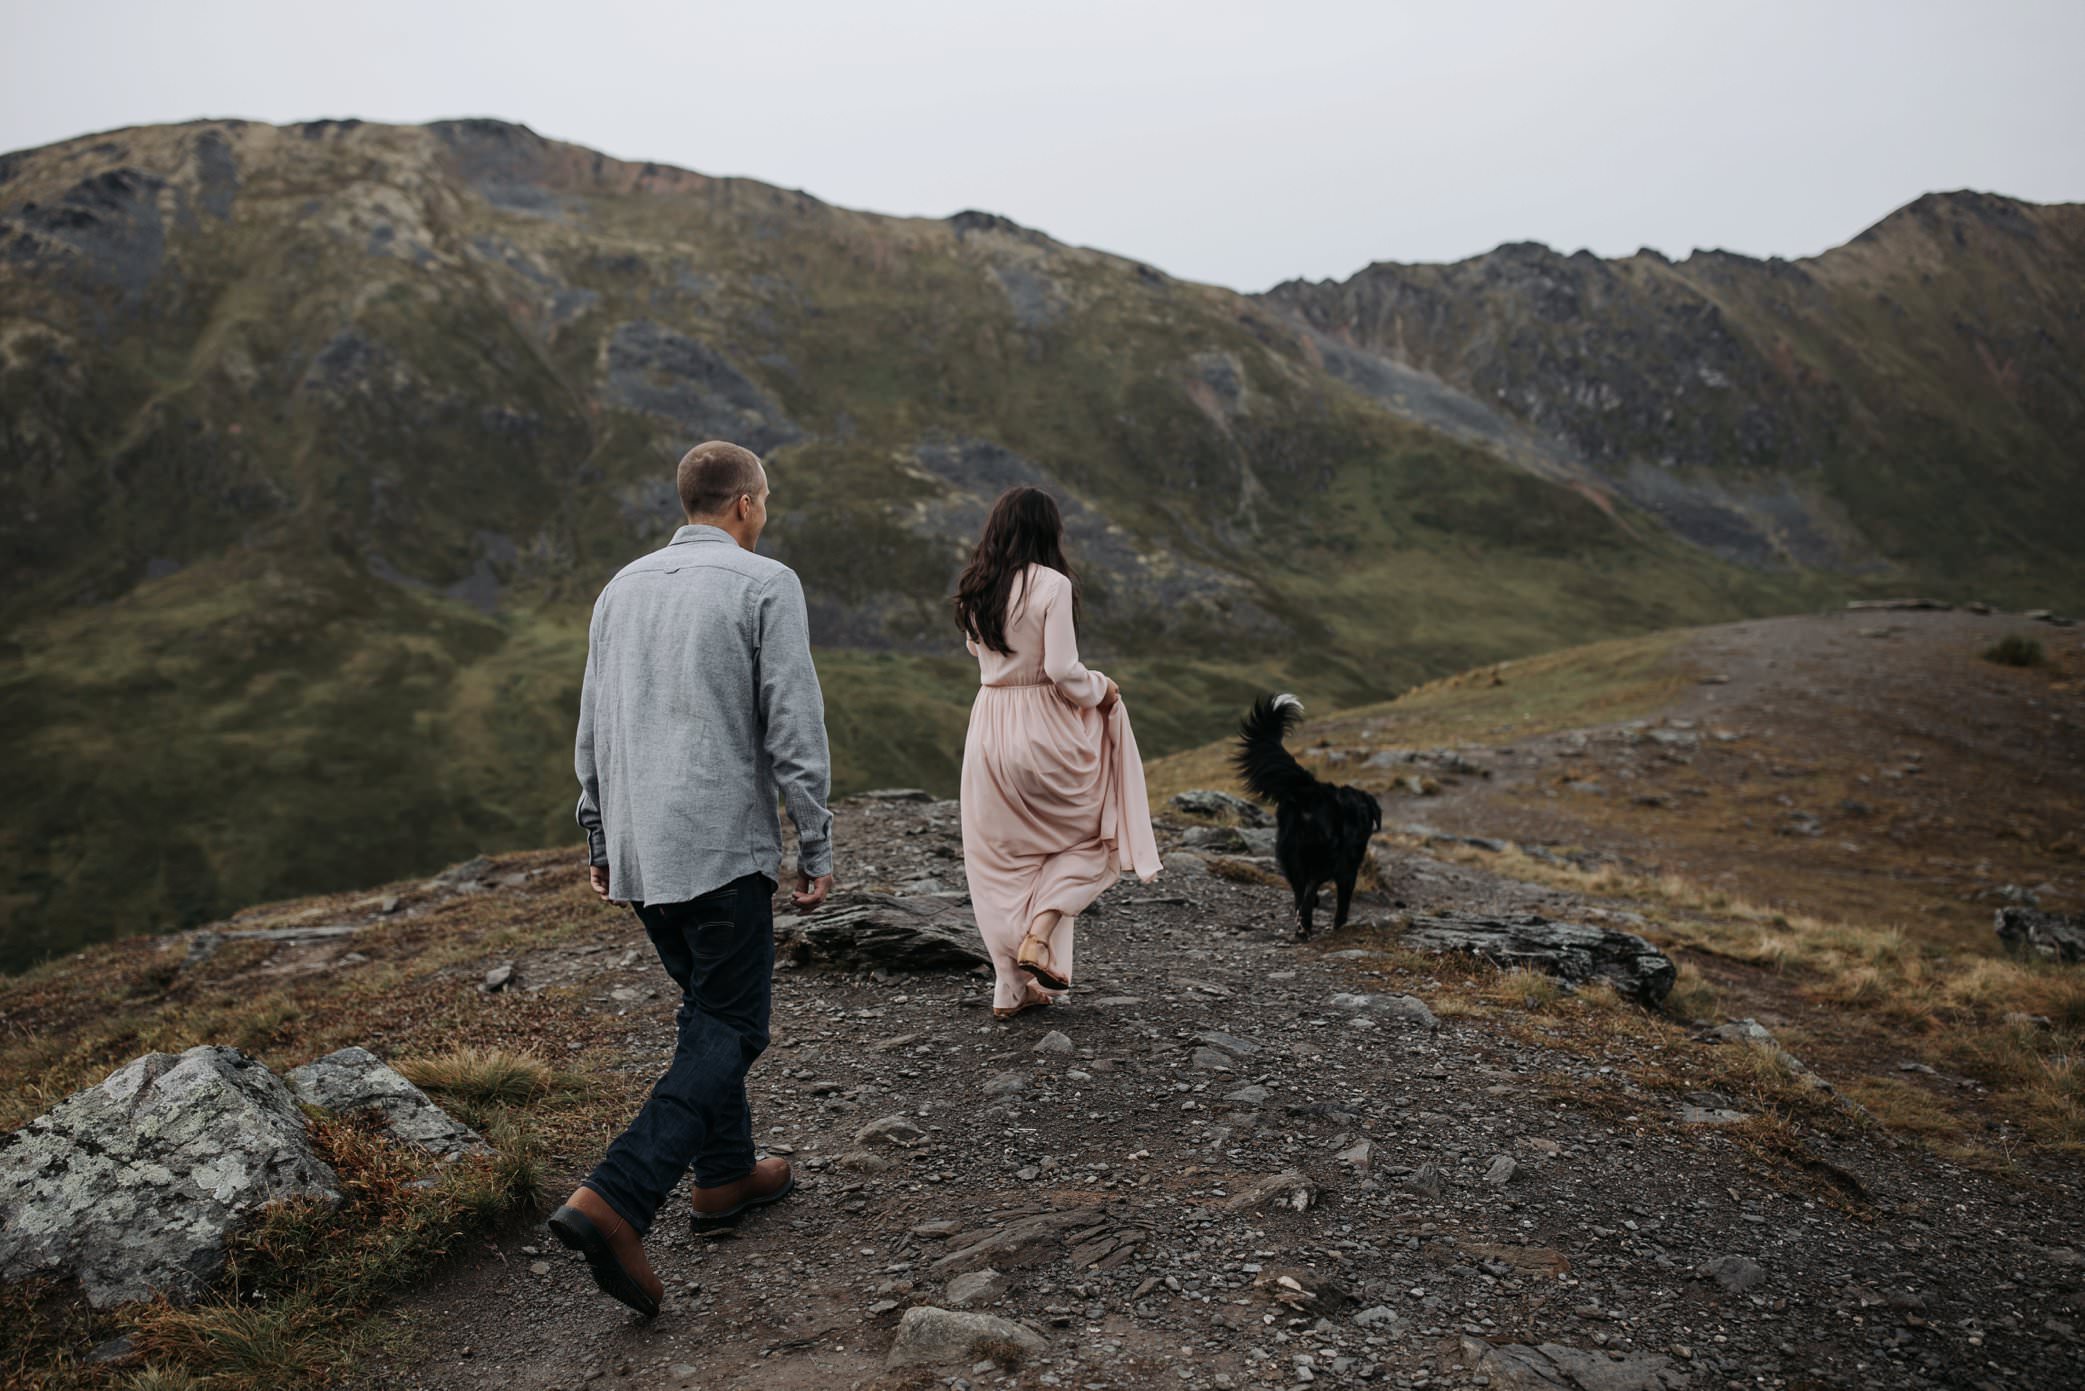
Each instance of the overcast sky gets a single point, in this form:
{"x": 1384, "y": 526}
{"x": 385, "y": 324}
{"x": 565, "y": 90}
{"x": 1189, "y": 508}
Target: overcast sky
{"x": 1242, "y": 143}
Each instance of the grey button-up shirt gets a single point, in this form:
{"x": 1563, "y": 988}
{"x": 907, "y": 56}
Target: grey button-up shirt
{"x": 700, "y": 698}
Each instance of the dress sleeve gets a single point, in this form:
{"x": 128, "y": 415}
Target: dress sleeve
{"x": 1061, "y": 652}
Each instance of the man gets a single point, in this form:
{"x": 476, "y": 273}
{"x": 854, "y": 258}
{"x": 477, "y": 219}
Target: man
{"x": 699, "y": 699}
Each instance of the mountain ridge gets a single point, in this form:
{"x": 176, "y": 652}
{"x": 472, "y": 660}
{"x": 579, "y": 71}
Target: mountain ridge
{"x": 318, "y": 440}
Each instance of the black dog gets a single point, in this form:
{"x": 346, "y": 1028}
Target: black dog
{"x": 1321, "y": 831}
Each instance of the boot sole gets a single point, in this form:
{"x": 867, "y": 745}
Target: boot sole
{"x": 575, "y": 1230}
{"x": 706, "y": 1221}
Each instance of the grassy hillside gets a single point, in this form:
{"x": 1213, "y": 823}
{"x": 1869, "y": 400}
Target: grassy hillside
{"x": 316, "y": 443}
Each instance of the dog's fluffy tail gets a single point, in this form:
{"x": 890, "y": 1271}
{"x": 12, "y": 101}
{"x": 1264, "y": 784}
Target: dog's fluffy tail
{"x": 1264, "y": 764}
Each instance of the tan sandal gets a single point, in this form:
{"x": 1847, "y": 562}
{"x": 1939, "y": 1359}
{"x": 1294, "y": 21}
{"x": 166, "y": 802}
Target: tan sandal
{"x": 1038, "y": 960}
{"x": 1036, "y": 1001}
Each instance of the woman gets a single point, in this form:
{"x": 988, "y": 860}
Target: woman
{"x": 1053, "y": 790}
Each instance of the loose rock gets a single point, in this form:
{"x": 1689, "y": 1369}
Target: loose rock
{"x": 1738, "y": 1274}
{"x": 355, "y": 1079}
{"x": 932, "y": 1337}
{"x": 2048, "y": 936}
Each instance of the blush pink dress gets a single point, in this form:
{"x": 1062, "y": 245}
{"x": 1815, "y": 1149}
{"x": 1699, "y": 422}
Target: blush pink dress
{"x": 1054, "y": 806}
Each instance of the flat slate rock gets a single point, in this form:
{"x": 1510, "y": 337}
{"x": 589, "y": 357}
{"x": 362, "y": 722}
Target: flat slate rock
{"x": 1558, "y": 1367}
{"x": 131, "y": 1185}
{"x": 879, "y": 930}
{"x": 355, "y": 1079}
{"x": 1570, "y": 951}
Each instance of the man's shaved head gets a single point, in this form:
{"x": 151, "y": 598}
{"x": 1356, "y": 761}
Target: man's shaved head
{"x": 716, "y": 474}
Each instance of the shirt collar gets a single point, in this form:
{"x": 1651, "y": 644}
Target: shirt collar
{"x": 701, "y": 531}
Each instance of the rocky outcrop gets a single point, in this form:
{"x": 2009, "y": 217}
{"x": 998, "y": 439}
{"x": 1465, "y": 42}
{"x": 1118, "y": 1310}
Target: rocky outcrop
{"x": 2048, "y": 936}
{"x": 355, "y": 1079}
{"x": 131, "y": 1185}
{"x": 1203, "y": 802}
{"x": 876, "y": 931}
{"x": 1569, "y": 951}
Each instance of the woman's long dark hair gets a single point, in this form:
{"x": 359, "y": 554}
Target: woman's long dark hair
{"x": 1024, "y": 529}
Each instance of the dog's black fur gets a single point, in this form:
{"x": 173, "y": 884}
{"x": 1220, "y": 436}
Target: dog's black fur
{"x": 1321, "y": 831}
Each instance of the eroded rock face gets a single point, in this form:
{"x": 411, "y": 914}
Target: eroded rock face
{"x": 1571, "y": 951}
{"x": 2050, "y": 936}
{"x": 355, "y": 1079}
{"x": 131, "y": 1185}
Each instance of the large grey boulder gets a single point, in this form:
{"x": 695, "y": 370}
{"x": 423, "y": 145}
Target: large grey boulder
{"x": 880, "y": 931}
{"x": 931, "y": 1337}
{"x": 131, "y": 1185}
{"x": 1571, "y": 951}
{"x": 2049, "y": 936}
{"x": 355, "y": 1079}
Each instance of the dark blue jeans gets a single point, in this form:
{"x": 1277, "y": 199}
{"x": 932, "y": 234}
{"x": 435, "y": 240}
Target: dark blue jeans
{"x": 720, "y": 950}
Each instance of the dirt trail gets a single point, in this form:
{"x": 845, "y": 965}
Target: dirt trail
{"x": 1474, "y": 1185}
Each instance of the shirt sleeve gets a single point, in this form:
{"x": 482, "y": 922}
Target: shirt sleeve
{"x": 1061, "y": 651}
{"x": 589, "y": 813}
{"x": 792, "y": 719}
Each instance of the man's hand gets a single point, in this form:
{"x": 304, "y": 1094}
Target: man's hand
{"x": 597, "y": 875}
{"x": 1107, "y": 702}
{"x": 809, "y": 892}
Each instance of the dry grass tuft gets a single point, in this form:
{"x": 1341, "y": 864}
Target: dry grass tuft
{"x": 488, "y": 1076}
{"x": 1693, "y": 997}
{"x": 1525, "y": 988}
{"x": 2014, "y": 650}
{"x": 1245, "y": 872}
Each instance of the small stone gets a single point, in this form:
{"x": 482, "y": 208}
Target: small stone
{"x": 985, "y": 1286}
{"x": 1247, "y": 1096}
{"x": 1006, "y": 1084}
{"x": 1230, "y": 1043}
{"x": 1738, "y": 1274}
{"x": 1501, "y": 1171}
{"x": 939, "y": 1228}
{"x": 1289, "y": 1189}
{"x": 1211, "y": 1060}
{"x": 1425, "y": 1180}
{"x": 895, "y": 1130}
{"x": 1360, "y": 1156}
{"x": 929, "y": 1337}
{"x": 1055, "y": 1041}
{"x": 539, "y": 1267}
{"x": 114, "y": 1350}
{"x": 498, "y": 978}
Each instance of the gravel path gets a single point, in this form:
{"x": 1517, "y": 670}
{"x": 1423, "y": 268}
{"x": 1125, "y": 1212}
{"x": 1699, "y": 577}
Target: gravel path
{"x": 1206, "y": 1171}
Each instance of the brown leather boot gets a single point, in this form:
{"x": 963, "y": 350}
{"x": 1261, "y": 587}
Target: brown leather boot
{"x": 769, "y": 1182}
{"x": 612, "y": 1249}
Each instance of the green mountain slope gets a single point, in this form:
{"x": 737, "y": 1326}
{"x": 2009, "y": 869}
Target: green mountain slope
{"x": 319, "y": 440}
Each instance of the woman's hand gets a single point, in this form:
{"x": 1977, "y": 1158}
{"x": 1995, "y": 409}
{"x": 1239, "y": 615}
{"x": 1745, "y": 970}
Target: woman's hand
{"x": 1107, "y": 702}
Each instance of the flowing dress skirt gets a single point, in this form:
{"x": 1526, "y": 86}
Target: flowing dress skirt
{"x": 1054, "y": 808}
